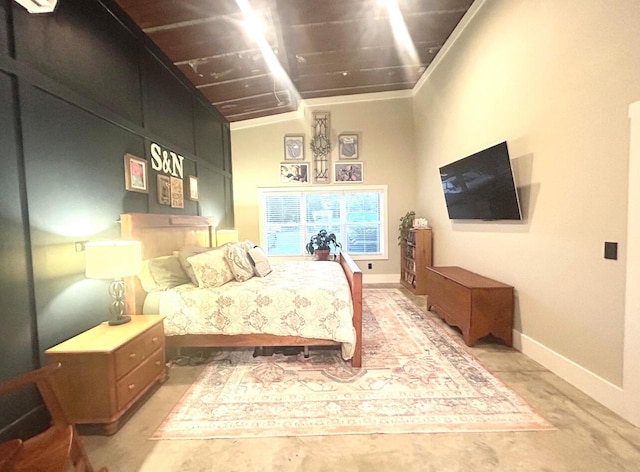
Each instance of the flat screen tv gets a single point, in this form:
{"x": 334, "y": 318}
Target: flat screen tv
{"x": 481, "y": 186}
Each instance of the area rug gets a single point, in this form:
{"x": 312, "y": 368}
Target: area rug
{"x": 416, "y": 378}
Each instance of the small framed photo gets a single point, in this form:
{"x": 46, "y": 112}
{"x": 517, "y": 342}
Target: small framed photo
{"x": 164, "y": 189}
{"x": 294, "y": 148}
{"x": 294, "y": 173}
{"x": 177, "y": 196}
{"x": 135, "y": 174}
{"x": 348, "y": 146}
{"x": 193, "y": 188}
{"x": 347, "y": 173}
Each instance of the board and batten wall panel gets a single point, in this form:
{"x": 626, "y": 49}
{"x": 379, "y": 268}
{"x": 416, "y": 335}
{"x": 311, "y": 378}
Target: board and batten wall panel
{"x": 103, "y": 64}
{"x": 84, "y": 88}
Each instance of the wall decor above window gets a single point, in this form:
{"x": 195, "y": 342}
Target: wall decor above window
{"x": 294, "y": 148}
{"x": 135, "y": 174}
{"x": 294, "y": 173}
{"x": 321, "y": 146}
{"x": 348, "y": 173}
{"x": 348, "y": 146}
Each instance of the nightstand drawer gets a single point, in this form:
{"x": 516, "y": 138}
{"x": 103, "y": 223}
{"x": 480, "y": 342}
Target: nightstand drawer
{"x": 139, "y": 379}
{"x": 130, "y": 355}
{"x": 153, "y": 340}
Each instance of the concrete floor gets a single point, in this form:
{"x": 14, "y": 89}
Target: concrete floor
{"x": 589, "y": 437}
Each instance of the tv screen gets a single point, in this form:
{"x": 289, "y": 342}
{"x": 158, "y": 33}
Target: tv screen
{"x": 481, "y": 186}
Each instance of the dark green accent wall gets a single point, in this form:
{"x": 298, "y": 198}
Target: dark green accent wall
{"x": 79, "y": 89}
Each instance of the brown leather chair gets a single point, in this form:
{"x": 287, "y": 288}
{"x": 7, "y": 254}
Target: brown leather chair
{"x": 58, "y": 448}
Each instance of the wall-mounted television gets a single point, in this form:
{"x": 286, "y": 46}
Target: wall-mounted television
{"x": 481, "y": 186}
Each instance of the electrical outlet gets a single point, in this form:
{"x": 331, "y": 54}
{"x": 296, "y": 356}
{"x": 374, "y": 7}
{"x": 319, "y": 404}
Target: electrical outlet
{"x": 610, "y": 250}
{"x": 80, "y": 245}
{"x": 369, "y": 265}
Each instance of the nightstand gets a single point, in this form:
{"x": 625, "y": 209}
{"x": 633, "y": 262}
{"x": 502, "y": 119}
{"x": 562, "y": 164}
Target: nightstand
{"x": 107, "y": 369}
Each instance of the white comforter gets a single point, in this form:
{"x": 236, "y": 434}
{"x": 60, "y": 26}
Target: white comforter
{"x": 309, "y": 299}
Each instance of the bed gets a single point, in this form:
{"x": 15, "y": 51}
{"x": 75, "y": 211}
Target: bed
{"x": 163, "y": 235}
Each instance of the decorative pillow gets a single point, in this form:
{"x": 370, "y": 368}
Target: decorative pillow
{"x": 167, "y": 272}
{"x": 260, "y": 262}
{"x": 146, "y": 279}
{"x": 162, "y": 273}
{"x": 211, "y": 268}
{"x": 185, "y": 253}
{"x": 239, "y": 262}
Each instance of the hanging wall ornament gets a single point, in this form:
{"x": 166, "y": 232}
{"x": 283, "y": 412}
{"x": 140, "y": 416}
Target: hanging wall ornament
{"x": 320, "y": 146}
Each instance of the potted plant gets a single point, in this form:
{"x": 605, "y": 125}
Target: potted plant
{"x": 406, "y": 223}
{"x": 321, "y": 244}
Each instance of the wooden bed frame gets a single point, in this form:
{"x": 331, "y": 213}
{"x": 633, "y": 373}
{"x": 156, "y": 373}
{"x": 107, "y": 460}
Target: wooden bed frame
{"x": 162, "y": 234}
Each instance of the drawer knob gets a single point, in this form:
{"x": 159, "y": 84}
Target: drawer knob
{"x": 132, "y": 386}
{"x": 132, "y": 355}
{"x": 158, "y": 363}
{"x": 154, "y": 339}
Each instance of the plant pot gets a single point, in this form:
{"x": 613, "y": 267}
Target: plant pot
{"x": 321, "y": 254}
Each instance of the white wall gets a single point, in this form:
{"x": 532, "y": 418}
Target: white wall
{"x": 554, "y": 79}
{"x": 387, "y": 152}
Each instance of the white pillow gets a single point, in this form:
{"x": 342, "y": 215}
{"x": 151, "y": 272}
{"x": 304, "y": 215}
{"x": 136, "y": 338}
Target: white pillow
{"x": 239, "y": 262}
{"x": 184, "y": 254}
{"x": 260, "y": 262}
{"x": 211, "y": 268}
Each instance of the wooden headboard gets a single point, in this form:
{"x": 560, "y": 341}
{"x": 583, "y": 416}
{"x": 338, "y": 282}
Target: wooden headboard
{"x": 160, "y": 235}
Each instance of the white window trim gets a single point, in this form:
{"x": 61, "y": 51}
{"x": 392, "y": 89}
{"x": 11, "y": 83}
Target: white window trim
{"x": 324, "y": 189}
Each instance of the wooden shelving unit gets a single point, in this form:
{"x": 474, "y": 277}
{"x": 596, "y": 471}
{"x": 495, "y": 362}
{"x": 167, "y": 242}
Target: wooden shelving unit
{"x": 415, "y": 256}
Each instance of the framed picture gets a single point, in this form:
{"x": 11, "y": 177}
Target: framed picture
{"x": 348, "y": 146}
{"x": 135, "y": 174}
{"x": 347, "y": 173}
{"x": 294, "y": 148}
{"x": 177, "y": 197}
{"x": 193, "y": 188}
{"x": 164, "y": 189}
{"x": 294, "y": 173}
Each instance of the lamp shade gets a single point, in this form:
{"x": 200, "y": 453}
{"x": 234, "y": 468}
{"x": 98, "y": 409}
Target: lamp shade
{"x": 113, "y": 259}
{"x": 224, "y": 236}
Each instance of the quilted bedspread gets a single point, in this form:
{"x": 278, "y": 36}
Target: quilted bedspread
{"x": 309, "y": 299}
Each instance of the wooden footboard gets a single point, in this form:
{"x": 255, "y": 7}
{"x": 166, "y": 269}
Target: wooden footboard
{"x": 162, "y": 234}
{"x": 354, "y": 276}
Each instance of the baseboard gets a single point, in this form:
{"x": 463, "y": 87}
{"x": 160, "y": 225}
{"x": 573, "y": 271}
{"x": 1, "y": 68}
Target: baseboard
{"x": 380, "y": 278}
{"x": 593, "y": 385}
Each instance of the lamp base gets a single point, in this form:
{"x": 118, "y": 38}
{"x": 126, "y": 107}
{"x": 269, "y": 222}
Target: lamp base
{"x": 119, "y": 321}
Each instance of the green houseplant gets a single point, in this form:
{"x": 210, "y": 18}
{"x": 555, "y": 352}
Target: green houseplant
{"x": 406, "y": 223}
{"x": 322, "y": 243}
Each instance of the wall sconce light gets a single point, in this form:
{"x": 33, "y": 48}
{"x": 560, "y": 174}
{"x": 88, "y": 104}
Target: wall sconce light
{"x": 224, "y": 236}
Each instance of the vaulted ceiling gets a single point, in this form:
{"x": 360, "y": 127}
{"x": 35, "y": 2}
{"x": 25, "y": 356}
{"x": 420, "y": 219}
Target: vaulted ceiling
{"x": 324, "y": 47}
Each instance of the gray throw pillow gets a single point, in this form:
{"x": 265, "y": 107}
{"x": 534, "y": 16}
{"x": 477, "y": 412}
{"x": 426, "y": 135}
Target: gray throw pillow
{"x": 260, "y": 262}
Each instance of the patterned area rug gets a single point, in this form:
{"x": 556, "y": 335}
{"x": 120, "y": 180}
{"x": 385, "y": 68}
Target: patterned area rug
{"x": 415, "y": 378}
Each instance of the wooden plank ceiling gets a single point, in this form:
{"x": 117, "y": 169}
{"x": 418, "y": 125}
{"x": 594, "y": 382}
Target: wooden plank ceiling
{"x": 326, "y": 47}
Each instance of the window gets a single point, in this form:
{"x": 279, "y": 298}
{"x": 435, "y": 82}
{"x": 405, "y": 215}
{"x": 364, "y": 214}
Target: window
{"x": 357, "y": 216}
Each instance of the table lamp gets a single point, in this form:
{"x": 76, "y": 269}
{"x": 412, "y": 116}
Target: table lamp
{"x": 114, "y": 260}
{"x": 224, "y": 236}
